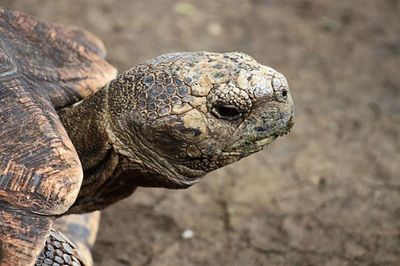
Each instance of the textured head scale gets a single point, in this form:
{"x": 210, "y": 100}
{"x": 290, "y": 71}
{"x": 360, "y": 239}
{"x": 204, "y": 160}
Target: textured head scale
{"x": 198, "y": 112}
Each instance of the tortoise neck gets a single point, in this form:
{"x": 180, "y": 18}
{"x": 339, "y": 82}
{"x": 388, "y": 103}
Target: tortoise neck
{"x": 86, "y": 125}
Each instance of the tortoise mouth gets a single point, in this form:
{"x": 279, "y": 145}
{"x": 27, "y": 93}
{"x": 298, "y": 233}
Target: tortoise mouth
{"x": 247, "y": 148}
{"x": 260, "y": 140}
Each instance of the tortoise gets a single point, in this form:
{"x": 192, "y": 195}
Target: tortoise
{"x": 76, "y": 137}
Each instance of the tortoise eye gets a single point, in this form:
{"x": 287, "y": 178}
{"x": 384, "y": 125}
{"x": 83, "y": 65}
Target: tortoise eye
{"x": 227, "y": 112}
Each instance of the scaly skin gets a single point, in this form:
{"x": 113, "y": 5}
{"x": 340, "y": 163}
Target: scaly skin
{"x": 171, "y": 120}
{"x": 81, "y": 230}
{"x": 59, "y": 250}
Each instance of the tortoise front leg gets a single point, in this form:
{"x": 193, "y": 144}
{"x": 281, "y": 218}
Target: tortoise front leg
{"x": 59, "y": 250}
{"x": 22, "y": 235}
{"x": 80, "y": 230}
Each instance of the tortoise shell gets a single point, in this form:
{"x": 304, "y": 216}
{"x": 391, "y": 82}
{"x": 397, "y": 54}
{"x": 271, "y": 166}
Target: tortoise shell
{"x": 43, "y": 67}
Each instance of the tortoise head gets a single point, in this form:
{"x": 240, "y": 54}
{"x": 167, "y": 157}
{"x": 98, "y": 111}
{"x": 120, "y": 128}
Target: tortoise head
{"x": 183, "y": 115}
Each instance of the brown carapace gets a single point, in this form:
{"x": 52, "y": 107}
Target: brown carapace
{"x": 75, "y": 138}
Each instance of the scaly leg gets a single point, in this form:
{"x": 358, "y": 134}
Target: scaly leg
{"x": 72, "y": 246}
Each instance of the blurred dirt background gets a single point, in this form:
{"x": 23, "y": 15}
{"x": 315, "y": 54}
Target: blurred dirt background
{"x": 326, "y": 194}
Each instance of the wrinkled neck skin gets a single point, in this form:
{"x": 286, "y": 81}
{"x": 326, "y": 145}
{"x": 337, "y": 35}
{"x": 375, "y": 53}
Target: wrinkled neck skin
{"x": 110, "y": 169}
{"x": 86, "y": 125}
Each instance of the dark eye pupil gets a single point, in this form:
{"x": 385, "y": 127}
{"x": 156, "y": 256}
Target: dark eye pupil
{"x": 284, "y": 93}
{"x": 227, "y": 112}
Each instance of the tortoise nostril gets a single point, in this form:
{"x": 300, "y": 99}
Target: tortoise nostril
{"x": 284, "y": 93}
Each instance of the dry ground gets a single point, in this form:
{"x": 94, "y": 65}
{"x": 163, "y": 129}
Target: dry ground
{"x": 326, "y": 194}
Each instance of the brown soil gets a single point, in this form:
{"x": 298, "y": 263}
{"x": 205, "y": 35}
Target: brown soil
{"x": 326, "y": 194}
